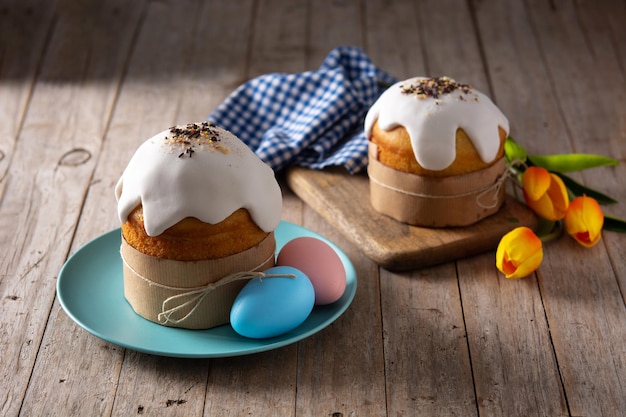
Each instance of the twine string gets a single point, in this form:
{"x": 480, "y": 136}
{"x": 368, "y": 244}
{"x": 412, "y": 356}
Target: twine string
{"x": 496, "y": 186}
{"x": 193, "y": 297}
{"x": 510, "y": 171}
{"x": 197, "y": 295}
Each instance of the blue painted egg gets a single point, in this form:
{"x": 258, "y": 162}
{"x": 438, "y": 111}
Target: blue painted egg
{"x": 270, "y": 306}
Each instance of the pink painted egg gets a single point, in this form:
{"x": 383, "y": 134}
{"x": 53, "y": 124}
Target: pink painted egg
{"x": 320, "y": 263}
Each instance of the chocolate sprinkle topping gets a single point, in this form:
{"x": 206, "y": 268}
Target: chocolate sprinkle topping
{"x": 204, "y": 135}
{"x": 434, "y": 87}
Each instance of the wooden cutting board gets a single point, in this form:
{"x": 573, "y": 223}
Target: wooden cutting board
{"x": 343, "y": 200}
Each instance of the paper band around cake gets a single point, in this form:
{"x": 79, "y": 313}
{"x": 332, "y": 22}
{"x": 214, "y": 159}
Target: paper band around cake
{"x": 458, "y": 200}
{"x": 150, "y": 281}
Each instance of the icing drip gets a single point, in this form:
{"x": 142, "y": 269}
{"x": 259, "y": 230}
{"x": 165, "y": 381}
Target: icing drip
{"x": 431, "y": 110}
{"x": 198, "y": 170}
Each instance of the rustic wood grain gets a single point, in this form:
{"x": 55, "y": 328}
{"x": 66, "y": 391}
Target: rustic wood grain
{"x": 219, "y": 58}
{"x": 426, "y": 354}
{"x": 67, "y": 388}
{"x": 82, "y": 84}
{"x": 606, "y": 62}
{"x": 342, "y": 371}
{"x": 609, "y": 136}
{"x": 509, "y": 342}
{"x": 153, "y": 385}
{"x": 46, "y": 184}
{"x": 24, "y": 26}
{"x": 331, "y": 25}
{"x": 508, "y": 335}
{"x": 279, "y": 37}
{"x": 394, "y": 37}
{"x": 253, "y": 385}
{"x": 585, "y": 278}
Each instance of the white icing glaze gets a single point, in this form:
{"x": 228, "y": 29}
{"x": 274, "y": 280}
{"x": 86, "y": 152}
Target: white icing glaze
{"x": 432, "y": 122}
{"x": 210, "y": 183}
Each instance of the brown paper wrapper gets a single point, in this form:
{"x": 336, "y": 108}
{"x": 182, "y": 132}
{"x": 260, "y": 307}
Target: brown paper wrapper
{"x": 149, "y": 281}
{"x": 458, "y": 200}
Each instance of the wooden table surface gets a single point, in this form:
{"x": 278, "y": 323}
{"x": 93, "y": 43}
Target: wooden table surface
{"x": 83, "y": 83}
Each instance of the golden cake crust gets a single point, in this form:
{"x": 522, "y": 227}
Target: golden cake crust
{"x": 395, "y": 150}
{"x": 193, "y": 240}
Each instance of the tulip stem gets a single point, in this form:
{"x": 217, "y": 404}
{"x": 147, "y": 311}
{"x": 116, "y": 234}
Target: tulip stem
{"x": 549, "y": 230}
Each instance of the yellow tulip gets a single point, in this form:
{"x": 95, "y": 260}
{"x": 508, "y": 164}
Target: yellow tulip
{"x": 584, "y": 220}
{"x": 545, "y": 193}
{"x": 519, "y": 253}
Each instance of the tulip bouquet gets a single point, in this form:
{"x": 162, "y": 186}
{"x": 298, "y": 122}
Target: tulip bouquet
{"x": 559, "y": 202}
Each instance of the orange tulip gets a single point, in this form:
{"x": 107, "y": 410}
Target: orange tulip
{"x": 584, "y": 220}
{"x": 545, "y": 193}
{"x": 519, "y": 253}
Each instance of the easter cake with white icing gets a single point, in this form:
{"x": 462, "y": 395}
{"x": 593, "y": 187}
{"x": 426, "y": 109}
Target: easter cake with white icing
{"x": 436, "y": 153}
{"x": 198, "y": 208}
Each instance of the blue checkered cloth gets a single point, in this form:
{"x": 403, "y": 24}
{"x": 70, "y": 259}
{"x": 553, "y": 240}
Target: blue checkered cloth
{"x": 312, "y": 119}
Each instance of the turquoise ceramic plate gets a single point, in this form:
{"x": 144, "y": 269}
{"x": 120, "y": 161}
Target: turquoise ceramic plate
{"x": 91, "y": 290}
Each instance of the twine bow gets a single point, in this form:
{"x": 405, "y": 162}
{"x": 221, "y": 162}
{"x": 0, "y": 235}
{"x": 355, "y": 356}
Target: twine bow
{"x": 496, "y": 187}
{"x": 199, "y": 293}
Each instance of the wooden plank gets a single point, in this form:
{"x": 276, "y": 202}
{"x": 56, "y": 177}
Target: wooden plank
{"x": 394, "y": 38}
{"x": 518, "y": 76}
{"x": 428, "y": 369}
{"x": 219, "y": 61}
{"x": 515, "y": 371}
{"x": 587, "y": 323}
{"x": 332, "y": 25}
{"x": 615, "y": 14}
{"x": 581, "y": 293}
{"x": 451, "y": 46}
{"x": 543, "y": 122}
{"x": 153, "y": 385}
{"x": 46, "y": 182}
{"x": 58, "y": 381}
{"x": 253, "y": 385}
{"x": 279, "y": 37}
{"x": 341, "y": 370}
{"x": 515, "y": 358}
{"x": 609, "y": 137}
{"x": 334, "y": 378}
{"x": 24, "y": 26}
{"x": 75, "y": 372}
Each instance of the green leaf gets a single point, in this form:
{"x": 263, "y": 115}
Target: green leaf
{"x": 578, "y": 189}
{"x": 513, "y": 150}
{"x": 614, "y": 224}
{"x": 571, "y": 161}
